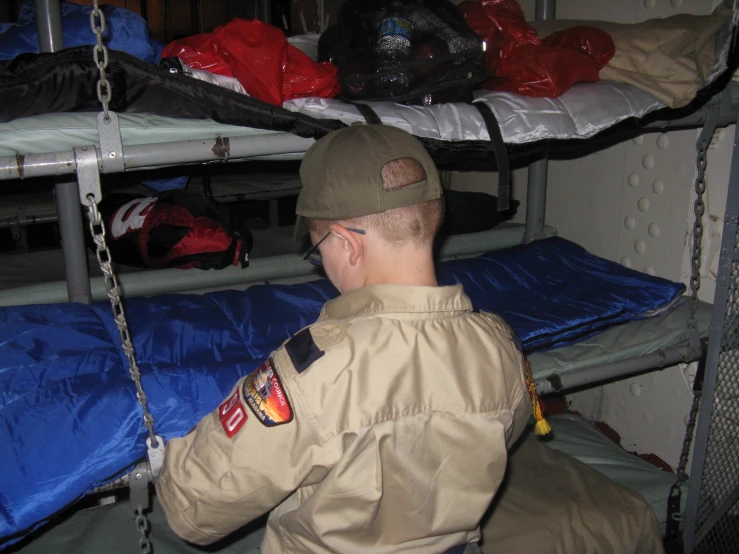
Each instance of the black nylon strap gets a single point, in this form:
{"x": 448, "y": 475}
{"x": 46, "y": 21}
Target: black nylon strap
{"x": 368, "y": 113}
{"x": 501, "y": 155}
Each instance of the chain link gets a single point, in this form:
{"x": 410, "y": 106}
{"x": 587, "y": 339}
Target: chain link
{"x": 104, "y": 88}
{"x": 142, "y": 524}
{"x": 316, "y": 17}
{"x": 97, "y": 229}
{"x": 699, "y": 209}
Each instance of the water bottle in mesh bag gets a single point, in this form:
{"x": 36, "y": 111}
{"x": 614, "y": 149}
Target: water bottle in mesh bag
{"x": 392, "y": 52}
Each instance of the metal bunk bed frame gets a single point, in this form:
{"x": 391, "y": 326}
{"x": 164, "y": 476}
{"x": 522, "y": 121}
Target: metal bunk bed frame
{"x": 88, "y": 162}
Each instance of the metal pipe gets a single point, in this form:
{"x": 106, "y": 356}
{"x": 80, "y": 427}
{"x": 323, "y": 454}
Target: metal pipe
{"x": 73, "y": 242}
{"x": 721, "y": 304}
{"x": 536, "y": 192}
{"x": 545, "y": 9}
{"x": 622, "y": 368}
{"x": 46, "y": 217}
{"x": 148, "y": 156}
{"x": 274, "y": 213}
{"x": 267, "y": 268}
{"x": 49, "y": 24}
{"x": 536, "y": 200}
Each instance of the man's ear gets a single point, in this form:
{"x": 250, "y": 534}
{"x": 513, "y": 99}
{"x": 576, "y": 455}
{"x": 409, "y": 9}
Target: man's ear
{"x": 352, "y": 242}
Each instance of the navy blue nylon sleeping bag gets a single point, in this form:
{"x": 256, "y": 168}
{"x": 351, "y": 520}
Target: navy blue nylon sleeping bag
{"x": 70, "y": 420}
{"x": 124, "y": 30}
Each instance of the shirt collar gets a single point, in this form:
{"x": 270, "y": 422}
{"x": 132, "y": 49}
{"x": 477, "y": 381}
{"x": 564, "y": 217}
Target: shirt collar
{"x": 383, "y": 299}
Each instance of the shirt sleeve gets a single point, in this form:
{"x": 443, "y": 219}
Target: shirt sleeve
{"x": 241, "y": 460}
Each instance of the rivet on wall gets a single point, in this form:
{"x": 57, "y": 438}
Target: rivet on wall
{"x": 676, "y": 3}
{"x": 654, "y": 230}
{"x": 663, "y": 141}
{"x": 630, "y": 222}
{"x": 649, "y": 4}
{"x": 649, "y": 270}
{"x": 648, "y": 161}
{"x": 634, "y": 180}
{"x": 643, "y": 204}
{"x": 626, "y": 261}
{"x": 658, "y": 186}
{"x": 640, "y": 246}
{"x": 639, "y": 140}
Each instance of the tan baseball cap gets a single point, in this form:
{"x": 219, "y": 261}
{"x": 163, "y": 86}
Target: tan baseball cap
{"x": 342, "y": 175}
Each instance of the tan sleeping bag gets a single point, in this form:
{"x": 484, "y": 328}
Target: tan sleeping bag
{"x": 670, "y": 58}
{"x": 553, "y": 504}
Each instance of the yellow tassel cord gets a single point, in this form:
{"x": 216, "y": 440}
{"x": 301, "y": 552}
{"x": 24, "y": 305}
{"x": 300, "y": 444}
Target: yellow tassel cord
{"x": 542, "y": 427}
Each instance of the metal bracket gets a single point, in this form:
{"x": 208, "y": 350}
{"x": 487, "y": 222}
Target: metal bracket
{"x": 156, "y": 456}
{"x": 111, "y": 146}
{"x": 88, "y": 174}
{"x": 709, "y": 127}
{"x": 138, "y": 483}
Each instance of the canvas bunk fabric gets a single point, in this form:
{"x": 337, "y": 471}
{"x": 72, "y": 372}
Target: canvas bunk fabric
{"x": 552, "y": 503}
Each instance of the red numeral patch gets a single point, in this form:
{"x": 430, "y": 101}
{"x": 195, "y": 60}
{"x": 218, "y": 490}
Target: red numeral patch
{"x": 232, "y": 414}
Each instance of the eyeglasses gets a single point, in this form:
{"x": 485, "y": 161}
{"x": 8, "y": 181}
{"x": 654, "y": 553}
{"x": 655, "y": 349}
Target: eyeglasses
{"x": 314, "y": 255}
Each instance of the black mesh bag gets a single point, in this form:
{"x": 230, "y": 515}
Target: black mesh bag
{"x": 407, "y": 51}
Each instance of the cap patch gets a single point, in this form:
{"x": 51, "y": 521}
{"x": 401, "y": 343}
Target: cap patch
{"x": 266, "y": 397}
{"x": 303, "y": 350}
{"x": 232, "y": 414}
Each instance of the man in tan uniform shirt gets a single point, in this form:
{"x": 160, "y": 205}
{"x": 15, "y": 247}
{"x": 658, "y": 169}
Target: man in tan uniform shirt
{"x": 384, "y": 426}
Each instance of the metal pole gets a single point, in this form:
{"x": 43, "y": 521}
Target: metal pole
{"x": 592, "y": 375}
{"x": 721, "y": 303}
{"x": 49, "y": 24}
{"x": 536, "y": 194}
{"x": 536, "y": 200}
{"x": 73, "y": 242}
{"x": 545, "y": 9}
{"x": 221, "y": 149}
{"x": 274, "y": 213}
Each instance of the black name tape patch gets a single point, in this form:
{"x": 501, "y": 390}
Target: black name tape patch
{"x": 302, "y": 350}
{"x": 266, "y": 397}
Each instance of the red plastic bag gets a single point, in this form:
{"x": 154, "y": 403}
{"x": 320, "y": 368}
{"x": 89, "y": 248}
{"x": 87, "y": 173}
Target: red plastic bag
{"x": 257, "y": 52}
{"x": 523, "y": 63}
{"x": 595, "y": 43}
{"x": 501, "y": 25}
{"x": 199, "y": 52}
{"x": 303, "y": 78}
{"x": 541, "y": 71}
{"x": 258, "y": 56}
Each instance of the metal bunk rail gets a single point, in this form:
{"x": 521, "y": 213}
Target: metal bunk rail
{"x": 150, "y": 156}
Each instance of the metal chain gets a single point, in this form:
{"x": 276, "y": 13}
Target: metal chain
{"x": 104, "y": 88}
{"x": 316, "y": 17}
{"x": 142, "y": 524}
{"x": 699, "y": 209}
{"x": 97, "y": 229}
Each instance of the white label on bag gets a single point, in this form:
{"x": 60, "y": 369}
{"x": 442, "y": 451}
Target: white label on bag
{"x": 130, "y": 217}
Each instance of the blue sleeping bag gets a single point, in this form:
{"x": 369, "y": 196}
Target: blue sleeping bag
{"x": 125, "y": 31}
{"x": 70, "y": 420}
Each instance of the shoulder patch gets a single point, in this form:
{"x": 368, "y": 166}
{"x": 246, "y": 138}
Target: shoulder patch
{"x": 266, "y": 397}
{"x": 232, "y": 414}
{"x": 303, "y": 350}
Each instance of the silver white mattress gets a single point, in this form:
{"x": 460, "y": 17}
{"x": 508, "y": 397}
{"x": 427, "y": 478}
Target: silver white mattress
{"x": 581, "y": 112}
